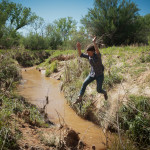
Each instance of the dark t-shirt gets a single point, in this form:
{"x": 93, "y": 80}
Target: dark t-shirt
{"x": 95, "y": 61}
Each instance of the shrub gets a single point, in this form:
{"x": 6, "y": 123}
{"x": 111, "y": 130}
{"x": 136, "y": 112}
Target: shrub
{"x": 51, "y": 68}
{"x": 35, "y": 42}
{"x": 112, "y": 78}
{"x": 135, "y": 118}
{"x": 7, "y": 139}
{"x": 28, "y": 58}
{"x": 145, "y": 58}
{"x": 9, "y": 72}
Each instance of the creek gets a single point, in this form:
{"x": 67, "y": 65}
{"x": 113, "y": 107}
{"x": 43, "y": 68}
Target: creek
{"x": 35, "y": 87}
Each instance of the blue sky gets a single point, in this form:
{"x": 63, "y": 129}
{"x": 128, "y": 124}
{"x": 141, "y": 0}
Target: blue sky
{"x": 51, "y": 10}
{"x": 143, "y": 5}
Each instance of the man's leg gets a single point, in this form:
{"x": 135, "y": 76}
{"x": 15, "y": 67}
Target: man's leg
{"x": 99, "y": 81}
{"x": 87, "y": 81}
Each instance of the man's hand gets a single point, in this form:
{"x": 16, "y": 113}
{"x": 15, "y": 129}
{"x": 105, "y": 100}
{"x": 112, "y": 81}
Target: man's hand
{"x": 79, "y": 48}
{"x": 95, "y": 45}
{"x": 94, "y": 39}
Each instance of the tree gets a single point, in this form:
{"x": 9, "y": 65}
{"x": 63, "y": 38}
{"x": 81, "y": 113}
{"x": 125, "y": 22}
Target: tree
{"x": 145, "y": 23}
{"x": 115, "y": 21}
{"x": 65, "y": 26}
{"x": 21, "y": 16}
{"x": 53, "y": 37}
{"x": 35, "y": 42}
{"x": 81, "y": 36}
{"x": 5, "y": 12}
{"x": 13, "y": 17}
{"x": 38, "y": 25}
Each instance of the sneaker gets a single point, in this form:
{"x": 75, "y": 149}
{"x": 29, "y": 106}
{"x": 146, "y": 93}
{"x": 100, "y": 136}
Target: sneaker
{"x": 79, "y": 100}
{"x": 105, "y": 96}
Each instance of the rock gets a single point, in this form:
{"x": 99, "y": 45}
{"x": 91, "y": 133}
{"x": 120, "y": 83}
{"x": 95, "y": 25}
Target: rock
{"x": 81, "y": 145}
{"x": 26, "y": 112}
{"x": 36, "y": 148}
{"x": 26, "y": 146}
{"x": 59, "y": 77}
{"x": 71, "y": 139}
{"x": 23, "y": 126}
{"x": 93, "y": 147}
{"x": 19, "y": 114}
{"x": 1, "y": 102}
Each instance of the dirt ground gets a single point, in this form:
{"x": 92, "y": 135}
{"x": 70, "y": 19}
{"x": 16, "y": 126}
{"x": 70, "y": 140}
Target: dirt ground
{"x": 50, "y": 138}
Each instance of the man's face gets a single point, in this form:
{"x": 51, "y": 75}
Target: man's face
{"x": 90, "y": 53}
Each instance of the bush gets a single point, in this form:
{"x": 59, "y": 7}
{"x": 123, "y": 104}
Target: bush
{"x": 112, "y": 78}
{"x": 135, "y": 118}
{"x": 35, "y": 42}
{"x": 145, "y": 58}
{"x": 51, "y": 68}
{"x": 7, "y": 139}
{"x": 28, "y": 58}
{"x": 9, "y": 72}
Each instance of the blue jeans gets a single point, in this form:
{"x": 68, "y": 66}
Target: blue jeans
{"x": 89, "y": 79}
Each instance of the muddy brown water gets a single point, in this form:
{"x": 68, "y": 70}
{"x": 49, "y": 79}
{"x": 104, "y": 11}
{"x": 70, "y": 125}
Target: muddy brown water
{"x": 35, "y": 87}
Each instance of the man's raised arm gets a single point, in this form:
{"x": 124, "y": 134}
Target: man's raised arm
{"x": 95, "y": 45}
{"x": 79, "y": 48}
